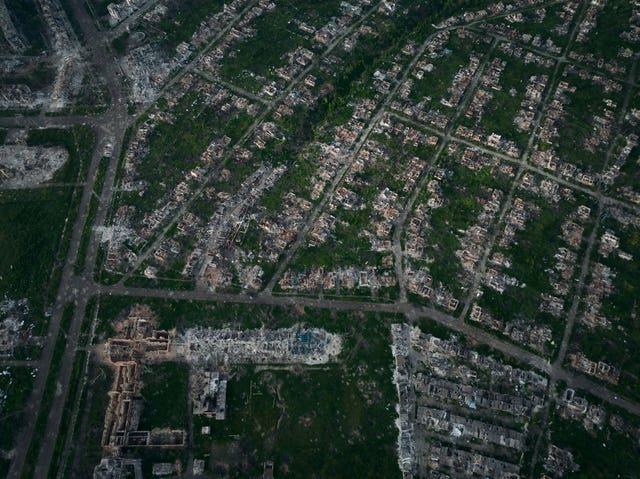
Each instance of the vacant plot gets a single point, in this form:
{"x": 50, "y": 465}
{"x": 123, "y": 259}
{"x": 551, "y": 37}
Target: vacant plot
{"x": 31, "y": 226}
{"x": 338, "y": 419}
{"x": 15, "y": 386}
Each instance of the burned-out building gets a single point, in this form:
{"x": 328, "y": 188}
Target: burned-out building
{"x": 208, "y": 393}
{"x": 137, "y": 342}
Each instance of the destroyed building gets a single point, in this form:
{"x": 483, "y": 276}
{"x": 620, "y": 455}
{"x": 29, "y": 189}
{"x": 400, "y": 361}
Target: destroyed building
{"x": 228, "y": 346}
{"x": 208, "y": 393}
{"x": 137, "y": 343}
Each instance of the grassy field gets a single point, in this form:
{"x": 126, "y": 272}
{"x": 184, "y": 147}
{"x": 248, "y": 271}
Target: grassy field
{"x": 31, "y": 226}
{"x": 35, "y": 224}
{"x": 165, "y": 391}
{"x": 333, "y": 421}
{"x": 49, "y": 393}
{"x": 88, "y": 451}
{"x": 329, "y": 421}
{"x": 15, "y": 387}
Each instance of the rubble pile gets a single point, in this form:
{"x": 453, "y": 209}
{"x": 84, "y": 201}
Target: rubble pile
{"x": 290, "y": 346}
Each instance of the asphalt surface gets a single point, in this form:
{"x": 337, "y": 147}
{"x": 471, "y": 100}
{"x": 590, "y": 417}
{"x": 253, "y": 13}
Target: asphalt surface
{"x": 110, "y": 127}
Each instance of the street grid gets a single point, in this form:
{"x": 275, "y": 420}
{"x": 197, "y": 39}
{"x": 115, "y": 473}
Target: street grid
{"x": 110, "y": 127}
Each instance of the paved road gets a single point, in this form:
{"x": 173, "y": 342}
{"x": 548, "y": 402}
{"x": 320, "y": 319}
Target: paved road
{"x": 364, "y": 135}
{"x": 506, "y": 206}
{"x": 446, "y": 138}
{"x": 557, "y": 365}
{"x": 271, "y": 107}
{"x": 557, "y": 371}
{"x": 110, "y": 127}
{"x": 518, "y": 161}
{"x": 131, "y": 20}
{"x": 404, "y": 308}
{"x": 39, "y": 121}
{"x": 105, "y": 127}
{"x": 408, "y": 310}
{"x": 24, "y": 439}
{"x": 14, "y": 363}
{"x": 231, "y": 87}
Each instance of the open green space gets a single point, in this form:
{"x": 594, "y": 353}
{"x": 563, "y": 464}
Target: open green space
{"x": 297, "y": 180}
{"x": 35, "y": 225}
{"x": 32, "y": 223}
{"x": 49, "y": 393}
{"x": 329, "y": 421}
{"x": 119, "y": 44}
{"x": 15, "y": 387}
{"x": 99, "y": 7}
{"x": 88, "y": 451}
{"x": 458, "y": 214}
{"x": 58, "y": 466}
{"x": 165, "y": 391}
